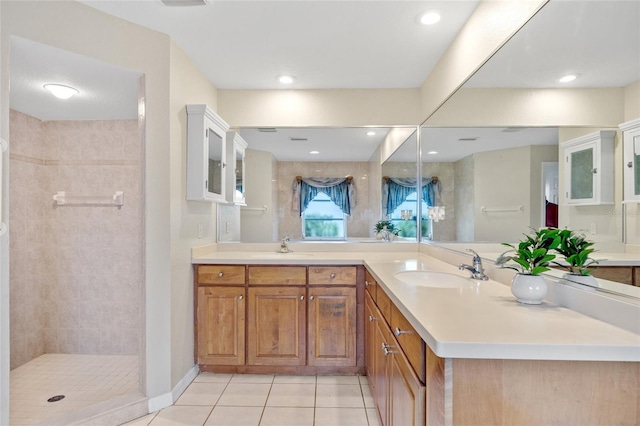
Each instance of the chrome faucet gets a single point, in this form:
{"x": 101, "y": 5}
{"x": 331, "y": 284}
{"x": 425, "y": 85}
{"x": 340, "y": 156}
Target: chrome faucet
{"x": 284, "y": 245}
{"x": 477, "y": 272}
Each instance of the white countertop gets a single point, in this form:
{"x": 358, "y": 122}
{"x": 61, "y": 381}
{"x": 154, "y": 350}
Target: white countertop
{"x": 482, "y": 321}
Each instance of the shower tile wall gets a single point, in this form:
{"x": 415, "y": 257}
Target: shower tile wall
{"x": 75, "y": 270}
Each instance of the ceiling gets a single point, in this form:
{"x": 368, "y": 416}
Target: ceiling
{"x": 324, "y": 44}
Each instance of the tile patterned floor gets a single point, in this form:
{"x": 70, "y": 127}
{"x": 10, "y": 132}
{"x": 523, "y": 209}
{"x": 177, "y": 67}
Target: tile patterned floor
{"x": 84, "y": 380}
{"x": 267, "y": 400}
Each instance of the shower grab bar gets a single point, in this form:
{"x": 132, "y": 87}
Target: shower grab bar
{"x": 516, "y": 209}
{"x": 255, "y": 209}
{"x": 4, "y": 145}
{"x": 62, "y": 199}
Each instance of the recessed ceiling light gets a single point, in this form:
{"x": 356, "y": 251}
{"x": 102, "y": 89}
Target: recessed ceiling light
{"x": 371, "y": 133}
{"x": 60, "y": 91}
{"x": 432, "y": 152}
{"x": 314, "y": 152}
{"x": 428, "y": 18}
{"x": 567, "y": 78}
{"x": 286, "y": 79}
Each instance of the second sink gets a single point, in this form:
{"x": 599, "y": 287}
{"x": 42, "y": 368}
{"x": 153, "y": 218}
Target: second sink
{"x": 434, "y": 279}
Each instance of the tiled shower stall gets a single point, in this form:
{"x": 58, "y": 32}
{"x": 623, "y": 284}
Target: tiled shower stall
{"x": 75, "y": 269}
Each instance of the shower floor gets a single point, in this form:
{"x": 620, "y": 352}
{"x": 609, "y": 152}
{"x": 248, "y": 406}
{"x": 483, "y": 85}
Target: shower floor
{"x": 85, "y": 380}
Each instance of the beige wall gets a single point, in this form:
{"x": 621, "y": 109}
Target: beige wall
{"x": 188, "y": 86}
{"x": 63, "y": 257}
{"x": 632, "y": 101}
{"x": 464, "y": 200}
{"x": 334, "y": 108}
{"x": 80, "y": 29}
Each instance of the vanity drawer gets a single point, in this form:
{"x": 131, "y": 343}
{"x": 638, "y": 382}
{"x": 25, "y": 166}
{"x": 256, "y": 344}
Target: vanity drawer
{"x": 221, "y": 274}
{"x": 332, "y": 275}
{"x": 384, "y": 304}
{"x": 410, "y": 341}
{"x": 277, "y": 275}
{"x": 370, "y": 284}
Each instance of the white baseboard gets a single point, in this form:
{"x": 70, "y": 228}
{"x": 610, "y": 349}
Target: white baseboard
{"x": 184, "y": 383}
{"x": 167, "y": 399}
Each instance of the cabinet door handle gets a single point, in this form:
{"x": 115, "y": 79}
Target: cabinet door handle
{"x": 220, "y": 274}
{"x": 240, "y": 297}
{"x": 372, "y": 318}
{"x": 311, "y": 298}
{"x": 301, "y": 297}
{"x": 398, "y": 332}
{"x": 594, "y": 170}
{"x": 385, "y": 345}
{"x": 332, "y": 275}
{"x": 629, "y": 164}
{"x": 386, "y": 351}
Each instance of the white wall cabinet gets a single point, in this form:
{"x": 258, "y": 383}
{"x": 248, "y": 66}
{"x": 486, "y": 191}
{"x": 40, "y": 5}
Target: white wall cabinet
{"x": 235, "y": 190}
{"x": 206, "y": 154}
{"x": 631, "y": 141}
{"x": 588, "y": 169}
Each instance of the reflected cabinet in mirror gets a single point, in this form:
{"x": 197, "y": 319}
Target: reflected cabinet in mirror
{"x": 206, "y": 150}
{"x": 497, "y": 193}
{"x": 631, "y": 164}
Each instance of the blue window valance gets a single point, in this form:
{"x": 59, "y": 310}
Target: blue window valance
{"x": 341, "y": 191}
{"x": 396, "y": 190}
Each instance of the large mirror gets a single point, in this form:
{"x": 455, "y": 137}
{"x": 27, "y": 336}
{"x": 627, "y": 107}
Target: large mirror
{"x": 277, "y": 159}
{"x": 506, "y": 121}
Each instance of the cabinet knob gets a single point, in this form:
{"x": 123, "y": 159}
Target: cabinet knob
{"x": 398, "y": 332}
{"x": 332, "y": 275}
{"x": 366, "y": 283}
{"x": 372, "y": 318}
{"x": 594, "y": 170}
{"x": 240, "y": 297}
{"x": 385, "y": 345}
{"x": 311, "y": 298}
{"x": 301, "y": 297}
{"x": 629, "y": 164}
{"x": 220, "y": 274}
{"x": 386, "y": 351}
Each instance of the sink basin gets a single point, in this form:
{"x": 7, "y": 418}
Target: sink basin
{"x": 279, "y": 255}
{"x": 434, "y": 279}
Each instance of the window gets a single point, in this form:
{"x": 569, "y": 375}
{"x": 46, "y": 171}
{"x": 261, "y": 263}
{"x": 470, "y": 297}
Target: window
{"x": 408, "y": 227}
{"x": 323, "y": 219}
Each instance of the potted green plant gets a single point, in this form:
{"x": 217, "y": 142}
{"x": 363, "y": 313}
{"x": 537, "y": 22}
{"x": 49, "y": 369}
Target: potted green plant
{"x": 388, "y": 226}
{"x": 576, "y": 250}
{"x": 531, "y": 257}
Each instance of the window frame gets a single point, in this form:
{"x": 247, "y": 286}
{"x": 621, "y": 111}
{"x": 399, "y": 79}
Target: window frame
{"x": 343, "y": 221}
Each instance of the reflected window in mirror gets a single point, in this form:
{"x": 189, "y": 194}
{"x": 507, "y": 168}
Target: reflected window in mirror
{"x": 323, "y": 219}
{"x": 404, "y": 217}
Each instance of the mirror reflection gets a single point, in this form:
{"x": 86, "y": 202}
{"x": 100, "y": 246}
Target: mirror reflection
{"x": 298, "y": 181}
{"x": 520, "y": 90}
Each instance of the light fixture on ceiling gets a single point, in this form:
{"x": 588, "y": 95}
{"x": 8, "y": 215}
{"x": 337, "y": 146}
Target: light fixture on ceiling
{"x": 429, "y": 17}
{"x": 314, "y": 152}
{"x": 567, "y": 78}
{"x": 432, "y": 152}
{"x": 371, "y": 133}
{"x": 286, "y": 79}
{"x": 60, "y": 91}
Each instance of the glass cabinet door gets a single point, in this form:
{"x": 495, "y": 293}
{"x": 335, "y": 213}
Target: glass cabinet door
{"x": 582, "y": 171}
{"x": 588, "y": 169}
{"x": 216, "y": 164}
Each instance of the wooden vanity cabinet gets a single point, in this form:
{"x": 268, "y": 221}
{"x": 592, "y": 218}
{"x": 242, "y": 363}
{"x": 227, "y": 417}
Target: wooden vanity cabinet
{"x": 290, "y": 319}
{"x": 332, "y": 316}
{"x": 398, "y": 391}
{"x": 276, "y": 329}
{"x": 220, "y": 315}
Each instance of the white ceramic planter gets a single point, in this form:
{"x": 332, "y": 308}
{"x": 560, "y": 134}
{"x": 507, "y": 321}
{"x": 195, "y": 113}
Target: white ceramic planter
{"x": 581, "y": 280}
{"x": 529, "y": 289}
